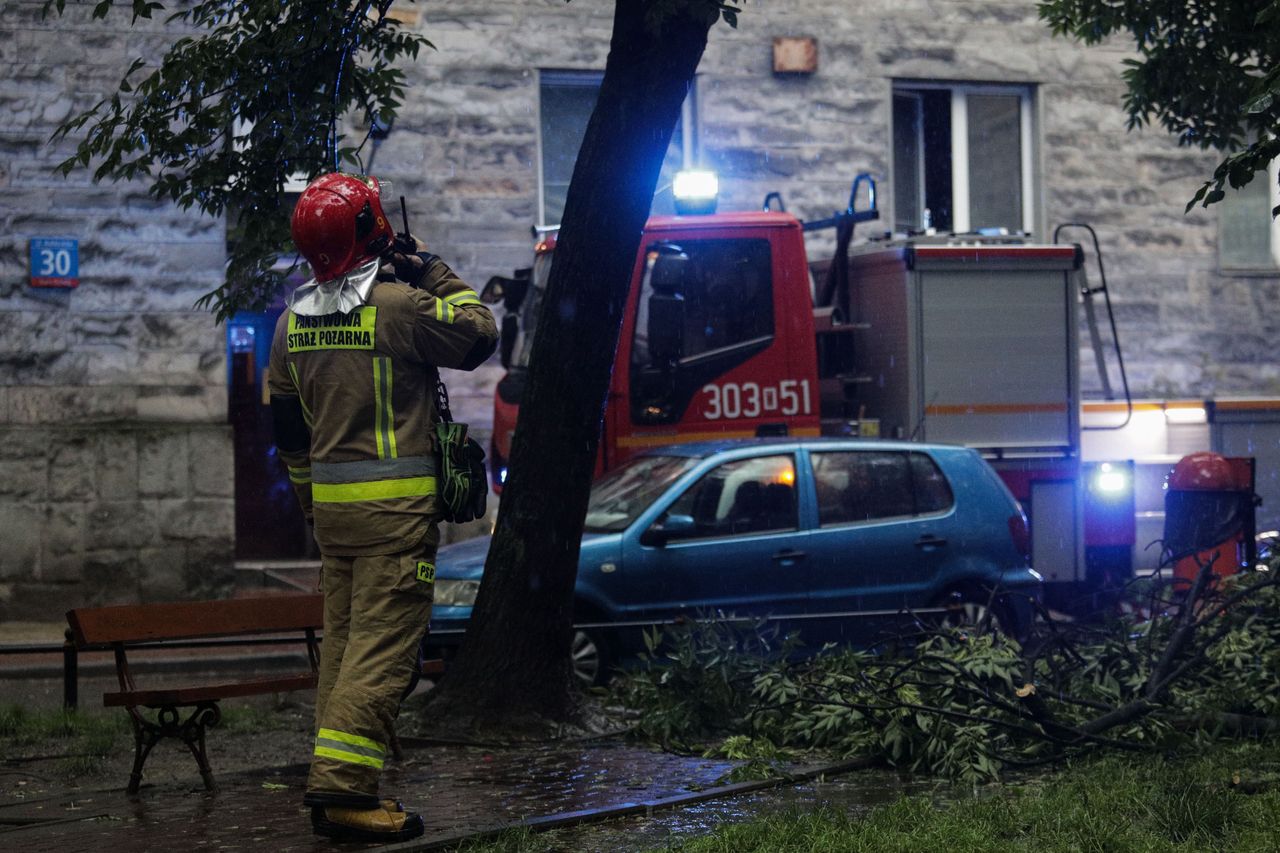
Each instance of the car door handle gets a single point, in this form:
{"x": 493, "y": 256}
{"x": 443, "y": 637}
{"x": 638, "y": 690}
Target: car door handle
{"x": 783, "y": 556}
{"x": 930, "y": 541}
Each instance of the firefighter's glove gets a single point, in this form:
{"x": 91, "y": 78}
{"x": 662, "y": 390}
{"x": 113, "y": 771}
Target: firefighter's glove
{"x": 407, "y": 267}
{"x": 464, "y": 486}
{"x": 406, "y": 244}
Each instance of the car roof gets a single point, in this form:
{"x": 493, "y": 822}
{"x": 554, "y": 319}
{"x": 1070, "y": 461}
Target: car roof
{"x": 703, "y": 449}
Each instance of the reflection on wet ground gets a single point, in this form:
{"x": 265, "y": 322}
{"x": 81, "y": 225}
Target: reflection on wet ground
{"x": 855, "y": 792}
{"x": 460, "y": 791}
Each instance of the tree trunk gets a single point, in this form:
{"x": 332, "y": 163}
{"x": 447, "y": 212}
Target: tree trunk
{"x": 514, "y": 663}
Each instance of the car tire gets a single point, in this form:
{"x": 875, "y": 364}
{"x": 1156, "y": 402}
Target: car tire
{"x": 589, "y": 656}
{"x": 974, "y": 609}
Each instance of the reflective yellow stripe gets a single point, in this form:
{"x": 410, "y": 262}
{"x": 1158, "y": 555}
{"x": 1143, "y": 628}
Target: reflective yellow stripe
{"x": 353, "y": 749}
{"x": 299, "y": 475}
{"x": 297, "y": 384}
{"x": 408, "y": 487}
{"x": 466, "y": 297}
{"x": 444, "y": 311}
{"x": 353, "y": 740}
{"x": 384, "y": 410}
{"x": 349, "y": 757}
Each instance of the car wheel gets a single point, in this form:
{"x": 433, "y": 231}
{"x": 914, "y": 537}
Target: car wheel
{"x": 589, "y": 657}
{"x": 975, "y": 611}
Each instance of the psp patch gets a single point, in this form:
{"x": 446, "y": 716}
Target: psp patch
{"x": 426, "y": 572}
{"x": 333, "y": 331}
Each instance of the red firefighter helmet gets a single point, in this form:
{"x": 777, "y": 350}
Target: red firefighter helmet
{"x": 1203, "y": 471}
{"x": 338, "y": 224}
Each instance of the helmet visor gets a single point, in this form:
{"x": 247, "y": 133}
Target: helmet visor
{"x": 379, "y": 186}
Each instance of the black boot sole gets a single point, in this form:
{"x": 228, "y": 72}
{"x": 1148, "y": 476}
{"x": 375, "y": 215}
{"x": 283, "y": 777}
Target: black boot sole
{"x": 412, "y": 828}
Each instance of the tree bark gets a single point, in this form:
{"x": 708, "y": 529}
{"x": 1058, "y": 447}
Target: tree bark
{"x": 514, "y": 664}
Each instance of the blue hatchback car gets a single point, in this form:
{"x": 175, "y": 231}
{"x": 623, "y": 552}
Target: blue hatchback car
{"x": 844, "y": 540}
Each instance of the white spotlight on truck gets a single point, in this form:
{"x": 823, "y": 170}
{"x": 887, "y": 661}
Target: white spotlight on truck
{"x": 695, "y": 192}
{"x": 1111, "y": 480}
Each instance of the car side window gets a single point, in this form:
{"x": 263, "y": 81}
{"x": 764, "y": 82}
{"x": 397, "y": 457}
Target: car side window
{"x": 746, "y": 496}
{"x": 862, "y": 486}
{"x": 933, "y": 492}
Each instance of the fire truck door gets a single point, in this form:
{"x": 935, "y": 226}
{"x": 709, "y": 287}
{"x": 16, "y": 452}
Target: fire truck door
{"x": 704, "y": 355}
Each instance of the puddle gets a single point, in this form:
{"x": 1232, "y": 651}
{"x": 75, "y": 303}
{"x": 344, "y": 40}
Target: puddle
{"x": 854, "y": 792}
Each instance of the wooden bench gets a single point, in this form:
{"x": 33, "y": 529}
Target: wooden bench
{"x": 124, "y": 627}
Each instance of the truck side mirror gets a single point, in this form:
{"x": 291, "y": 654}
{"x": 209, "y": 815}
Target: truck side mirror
{"x": 507, "y": 338}
{"x": 669, "y": 270}
{"x": 666, "y": 328}
{"x": 509, "y": 291}
{"x": 667, "y": 528}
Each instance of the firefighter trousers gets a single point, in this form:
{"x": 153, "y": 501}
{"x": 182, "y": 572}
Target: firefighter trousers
{"x": 376, "y": 610}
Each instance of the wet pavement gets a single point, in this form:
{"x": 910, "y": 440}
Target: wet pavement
{"x": 460, "y": 791}
{"x": 645, "y": 798}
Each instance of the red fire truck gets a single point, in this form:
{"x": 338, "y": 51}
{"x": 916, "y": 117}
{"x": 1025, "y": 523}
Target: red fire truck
{"x": 731, "y": 329}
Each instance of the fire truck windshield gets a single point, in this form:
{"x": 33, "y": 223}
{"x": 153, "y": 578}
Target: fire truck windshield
{"x": 532, "y": 305}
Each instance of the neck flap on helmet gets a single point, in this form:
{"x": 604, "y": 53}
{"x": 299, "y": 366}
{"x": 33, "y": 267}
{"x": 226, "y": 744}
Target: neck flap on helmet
{"x": 339, "y": 295}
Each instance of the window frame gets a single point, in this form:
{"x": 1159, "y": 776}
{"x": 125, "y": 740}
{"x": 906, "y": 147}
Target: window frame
{"x": 959, "y": 148}
{"x": 1272, "y": 180}
{"x": 690, "y": 148}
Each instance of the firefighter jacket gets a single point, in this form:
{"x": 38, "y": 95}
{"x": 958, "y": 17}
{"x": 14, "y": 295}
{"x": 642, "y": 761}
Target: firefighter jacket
{"x": 353, "y": 400}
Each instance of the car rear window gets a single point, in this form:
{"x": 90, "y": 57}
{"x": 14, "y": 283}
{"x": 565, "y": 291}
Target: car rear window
{"x": 933, "y": 492}
{"x": 860, "y": 485}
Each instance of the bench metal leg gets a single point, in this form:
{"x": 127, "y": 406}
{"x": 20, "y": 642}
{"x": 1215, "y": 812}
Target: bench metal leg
{"x": 206, "y": 714}
{"x": 144, "y": 738}
{"x": 190, "y": 731}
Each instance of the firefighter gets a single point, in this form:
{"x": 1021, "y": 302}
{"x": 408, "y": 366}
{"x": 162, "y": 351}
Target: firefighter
{"x": 352, "y": 378}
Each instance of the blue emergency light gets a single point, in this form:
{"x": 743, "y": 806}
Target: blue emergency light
{"x": 695, "y": 192}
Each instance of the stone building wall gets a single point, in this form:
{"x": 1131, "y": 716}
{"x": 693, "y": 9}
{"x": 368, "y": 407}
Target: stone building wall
{"x": 115, "y": 454}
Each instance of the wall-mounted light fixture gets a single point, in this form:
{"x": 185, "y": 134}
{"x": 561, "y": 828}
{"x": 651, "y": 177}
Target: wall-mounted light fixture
{"x": 795, "y": 55}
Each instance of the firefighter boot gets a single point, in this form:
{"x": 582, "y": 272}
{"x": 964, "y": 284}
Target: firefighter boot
{"x": 381, "y": 825}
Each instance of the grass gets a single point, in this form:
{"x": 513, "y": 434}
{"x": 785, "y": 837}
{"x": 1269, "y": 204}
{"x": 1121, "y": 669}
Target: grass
{"x": 252, "y": 719}
{"x": 22, "y": 727}
{"x": 1126, "y": 805}
{"x": 1224, "y": 799}
{"x": 516, "y": 840}
{"x": 86, "y": 740}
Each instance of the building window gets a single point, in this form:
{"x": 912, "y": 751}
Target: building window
{"x": 962, "y": 158}
{"x": 565, "y": 102}
{"x": 1248, "y": 236}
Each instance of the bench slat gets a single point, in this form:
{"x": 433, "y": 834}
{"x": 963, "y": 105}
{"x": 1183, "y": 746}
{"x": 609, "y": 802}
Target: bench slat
{"x": 133, "y": 623}
{"x": 208, "y": 692}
